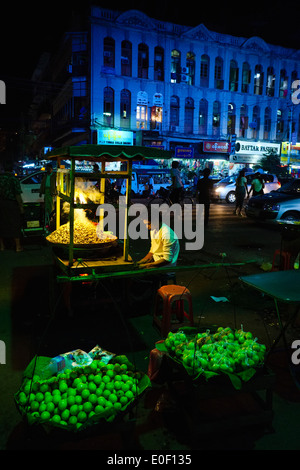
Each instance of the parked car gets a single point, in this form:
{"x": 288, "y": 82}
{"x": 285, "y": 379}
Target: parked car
{"x": 224, "y": 190}
{"x": 276, "y": 206}
{"x": 30, "y": 186}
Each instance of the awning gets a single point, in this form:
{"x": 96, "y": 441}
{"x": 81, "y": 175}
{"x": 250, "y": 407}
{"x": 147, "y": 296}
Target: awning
{"x": 109, "y": 153}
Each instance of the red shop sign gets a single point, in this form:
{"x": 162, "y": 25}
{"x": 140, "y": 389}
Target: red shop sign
{"x": 216, "y": 147}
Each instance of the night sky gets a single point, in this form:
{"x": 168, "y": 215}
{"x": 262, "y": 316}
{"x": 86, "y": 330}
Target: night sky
{"x": 37, "y": 27}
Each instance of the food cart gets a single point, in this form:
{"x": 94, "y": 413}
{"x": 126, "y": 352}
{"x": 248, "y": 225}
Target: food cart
{"x": 66, "y": 187}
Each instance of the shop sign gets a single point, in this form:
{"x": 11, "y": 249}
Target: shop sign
{"x": 256, "y": 148}
{"x": 113, "y": 137}
{"x": 243, "y": 159}
{"x": 158, "y": 99}
{"x": 142, "y": 98}
{"x": 184, "y": 152}
{"x": 216, "y": 147}
{"x": 294, "y": 155}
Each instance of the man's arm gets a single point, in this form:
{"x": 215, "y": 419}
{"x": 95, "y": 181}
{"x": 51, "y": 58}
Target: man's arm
{"x": 147, "y": 259}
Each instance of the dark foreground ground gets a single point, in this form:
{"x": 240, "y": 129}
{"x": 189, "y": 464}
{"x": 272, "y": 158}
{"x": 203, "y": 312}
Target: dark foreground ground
{"x": 34, "y": 321}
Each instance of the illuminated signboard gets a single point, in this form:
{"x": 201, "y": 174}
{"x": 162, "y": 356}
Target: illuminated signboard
{"x": 113, "y": 137}
{"x": 184, "y": 152}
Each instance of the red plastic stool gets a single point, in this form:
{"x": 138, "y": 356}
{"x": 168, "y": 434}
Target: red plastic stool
{"x": 284, "y": 260}
{"x": 170, "y": 294}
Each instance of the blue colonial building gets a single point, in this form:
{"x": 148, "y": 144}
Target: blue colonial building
{"x": 136, "y": 79}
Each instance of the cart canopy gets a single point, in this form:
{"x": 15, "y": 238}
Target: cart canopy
{"x": 109, "y": 153}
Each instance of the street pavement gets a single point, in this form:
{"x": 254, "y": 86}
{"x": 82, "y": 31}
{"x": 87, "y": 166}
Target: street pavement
{"x": 34, "y": 320}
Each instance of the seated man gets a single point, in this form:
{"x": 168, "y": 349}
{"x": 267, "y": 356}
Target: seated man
{"x": 164, "y": 249}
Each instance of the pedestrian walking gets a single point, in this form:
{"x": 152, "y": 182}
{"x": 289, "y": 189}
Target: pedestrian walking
{"x": 257, "y": 186}
{"x": 204, "y": 188}
{"x": 177, "y": 185}
{"x": 11, "y": 207}
{"x": 240, "y": 192}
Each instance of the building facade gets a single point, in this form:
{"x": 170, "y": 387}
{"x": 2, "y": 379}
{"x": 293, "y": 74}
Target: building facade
{"x": 179, "y": 87}
{"x": 132, "y": 79}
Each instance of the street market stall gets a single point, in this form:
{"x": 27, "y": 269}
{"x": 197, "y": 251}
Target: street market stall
{"x": 67, "y": 188}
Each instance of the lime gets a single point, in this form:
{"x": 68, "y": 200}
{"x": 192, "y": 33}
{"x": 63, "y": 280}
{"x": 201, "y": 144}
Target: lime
{"x": 118, "y": 385}
{"x": 34, "y": 406}
{"x": 76, "y": 382}
{"x": 123, "y": 367}
{"x": 117, "y": 405}
{"x": 81, "y": 386}
{"x": 71, "y": 400}
{"x": 71, "y": 392}
{"x": 110, "y": 373}
{"x": 99, "y": 391}
{"x": 22, "y": 398}
{"x": 99, "y": 409}
{"x": 87, "y": 407}
{"x": 42, "y": 407}
{"x": 44, "y": 388}
{"x": 82, "y": 416}
{"x": 62, "y": 405}
{"x": 123, "y": 400}
{"x": 113, "y": 398}
{"x": 125, "y": 377}
{"x": 72, "y": 420}
{"x": 109, "y": 366}
{"x": 85, "y": 394}
{"x": 101, "y": 401}
{"x": 83, "y": 378}
{"x": 109, "y": 404}
{"x": 55, "y": 418}
{"x": 35, "y": 387}
{"x": 78, "y": 399}
{"x": 97, "y": 379}
{"x": 117, "y": 368}
{"x": 56, "y": 391}
{"x": 93, "y": 366}
{"x": 106, "y": 393}
{"x": 129, "y": 394}
{"x": 48, "y": 398}
{"x": 93, "y": 398}
{"x": 74, "y": 410}
{"x": 91, "y": 378}
{"x": 63, "y": 387}
{"x": 110, "y": 386}
{"x": 120, "y": 393}
{"x": 118, "y": 378}
{"x": 39, "y": 397}
{"x": 106, "y": 379}
{"x": 50, "y": 407}
{"x": 56, "y": 399}
{"x": 45, "y": 415}
{"x": 125, "y": 387}
{"x": 92, "y": 387}
{"x": 65, "y": 415}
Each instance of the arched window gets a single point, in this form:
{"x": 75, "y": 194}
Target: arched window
{"x": 231, "y": 119}
{"x": 279, "y": 125}
{"x": 159, "y": 63}
{"x": 219, "y": 82}
{"x": 125, "y": 109}
{"x": 108, "y": 107}
{"x": 216, "y": 118}
{"x": 246, "y": 77}
{"x": 255, "y": 123}
{"x": 189, "y": 116}
{"x": 190, "y": 64}
{"x": 175, "y": 66}
{"x": 126, "y": 58}
{"x": 143, "y": 61}
{"x": 258, "y": 80}
{"x": 174, "y": 111}
{"x": 270, "y": 82}
{"x": 283, "y": 84}
{"x": 204, "y": 71}
{"x": 233, "y": 76}
{"x": 267, "y": 123}
{"x": 203, "y": 107}
{"x": 109, "y": 52}
{"x": 243, "y": 120}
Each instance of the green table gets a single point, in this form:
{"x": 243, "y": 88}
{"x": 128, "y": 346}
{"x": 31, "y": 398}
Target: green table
{"x": 282, "y": 286}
